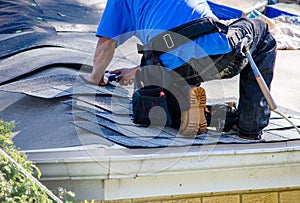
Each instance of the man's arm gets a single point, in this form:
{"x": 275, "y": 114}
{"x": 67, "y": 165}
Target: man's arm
{"x": 104, "y": 53}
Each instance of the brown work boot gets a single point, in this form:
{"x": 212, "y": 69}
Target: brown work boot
{"x": 193, "y": 121}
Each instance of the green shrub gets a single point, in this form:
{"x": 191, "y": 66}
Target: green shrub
{"x": 14, "y": 185}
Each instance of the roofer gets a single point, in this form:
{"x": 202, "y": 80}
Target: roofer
{"x": 213, "y": 52}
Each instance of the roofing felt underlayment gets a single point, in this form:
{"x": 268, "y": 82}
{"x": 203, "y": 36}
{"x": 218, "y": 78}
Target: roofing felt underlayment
{"x": 44, "y": 68}
{"x": 19, "y": 16}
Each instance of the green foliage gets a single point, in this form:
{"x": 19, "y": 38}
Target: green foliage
{"x": 66, "y": 196}
{"x": 14, "y": 185}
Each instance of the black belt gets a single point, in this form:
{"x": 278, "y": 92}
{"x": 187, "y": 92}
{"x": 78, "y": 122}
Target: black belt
{"x": 179, "y": 35}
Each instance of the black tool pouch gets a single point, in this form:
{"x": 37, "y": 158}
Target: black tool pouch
{"x": 150, "y": 107}
{"x": 149, "y": 102}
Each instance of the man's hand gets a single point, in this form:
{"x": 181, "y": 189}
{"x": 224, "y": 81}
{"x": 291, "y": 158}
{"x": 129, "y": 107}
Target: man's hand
{"x": 126, "y": 75}
{"x": 96, "y": 81}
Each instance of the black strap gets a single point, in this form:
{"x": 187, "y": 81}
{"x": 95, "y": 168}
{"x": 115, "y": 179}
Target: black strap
{"x": 179, "y": 35}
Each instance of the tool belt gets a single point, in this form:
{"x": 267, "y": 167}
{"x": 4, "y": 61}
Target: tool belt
{"x": 179, "y": 35}
{"x": 153, "y": 82}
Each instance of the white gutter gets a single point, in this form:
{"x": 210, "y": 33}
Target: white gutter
{"x": 125, "y": 163}
{"x": 250, "y": 163}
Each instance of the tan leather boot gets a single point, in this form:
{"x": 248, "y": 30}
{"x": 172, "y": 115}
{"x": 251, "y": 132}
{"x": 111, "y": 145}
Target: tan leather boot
{"x": 193, "y": 121}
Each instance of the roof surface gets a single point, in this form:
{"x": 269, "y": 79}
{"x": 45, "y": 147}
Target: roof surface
{"x": 53, "y": 108}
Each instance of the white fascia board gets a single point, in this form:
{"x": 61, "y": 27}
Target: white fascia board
{"x": 104, "y": 163}
{"x": 203, "y": 182}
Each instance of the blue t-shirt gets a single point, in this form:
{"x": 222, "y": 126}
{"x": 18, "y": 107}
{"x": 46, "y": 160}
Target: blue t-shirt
{"x": 146, "y": 18}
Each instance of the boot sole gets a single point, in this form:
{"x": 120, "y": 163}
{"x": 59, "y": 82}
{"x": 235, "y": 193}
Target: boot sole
{"x": 193, "y": 121}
